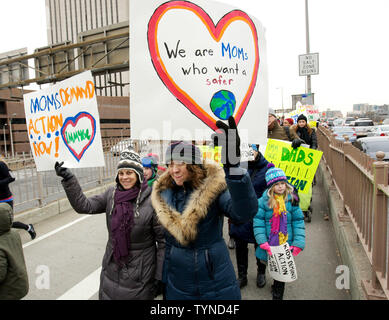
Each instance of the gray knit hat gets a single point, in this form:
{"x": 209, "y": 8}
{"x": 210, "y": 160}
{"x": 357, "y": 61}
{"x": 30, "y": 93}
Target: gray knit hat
{"x": 183, "y": 151}
{"x": 272, "y": 112}
{"x": 129, "y": 159}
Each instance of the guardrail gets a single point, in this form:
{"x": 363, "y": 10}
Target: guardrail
{"x": 33, "y": 189}
{"x": 362, "y": 183}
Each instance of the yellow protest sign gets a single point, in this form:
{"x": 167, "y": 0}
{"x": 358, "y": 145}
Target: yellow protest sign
{"x": 211, "y": 153}
{"x": 299, "y": 164}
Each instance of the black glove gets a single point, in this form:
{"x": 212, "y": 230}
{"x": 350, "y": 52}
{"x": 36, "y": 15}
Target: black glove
{"x": 157, "y": 288}
{"x": 65, "y": 173}
{"x": 296, "y": 143}
{"x": 12, "y": 179}
{"x": 228, "y": 138}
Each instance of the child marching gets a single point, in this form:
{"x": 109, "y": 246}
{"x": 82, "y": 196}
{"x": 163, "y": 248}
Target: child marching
{"x": 279, "y": 219}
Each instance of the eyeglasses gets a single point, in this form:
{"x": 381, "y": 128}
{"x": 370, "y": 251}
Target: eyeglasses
{"x": 178, "y": 164}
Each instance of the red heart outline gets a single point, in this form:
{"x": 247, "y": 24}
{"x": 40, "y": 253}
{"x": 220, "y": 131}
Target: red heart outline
{"x": 73, "y": 122}
{"x": 216, "y": 33}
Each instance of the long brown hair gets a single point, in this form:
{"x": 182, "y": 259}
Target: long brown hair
{"x": 272, "y": 201}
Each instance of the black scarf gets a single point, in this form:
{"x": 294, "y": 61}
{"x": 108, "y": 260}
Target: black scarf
{"x": 303, "y": 134}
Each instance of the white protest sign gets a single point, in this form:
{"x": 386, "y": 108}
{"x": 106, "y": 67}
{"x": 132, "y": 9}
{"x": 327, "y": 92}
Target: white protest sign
{"x": 64, "y": 125}
{"x": 281, "y": 264}
{"x": 193, "y": 63}
{"x": 246, "y": 152}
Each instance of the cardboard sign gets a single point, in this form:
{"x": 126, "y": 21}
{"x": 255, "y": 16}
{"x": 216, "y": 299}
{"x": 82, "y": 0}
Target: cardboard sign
{"x": 281, "y": 264}
{"x": 193, "y": 63}
{"x": 63, "y": 124}
{"x": 311, "y": 112}
{"x": 211, "y": 153}
{"x": 299, "y": 164}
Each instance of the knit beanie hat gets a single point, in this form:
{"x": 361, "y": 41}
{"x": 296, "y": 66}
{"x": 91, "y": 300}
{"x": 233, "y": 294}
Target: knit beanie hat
{"x": 150, "y": 162}
{"x": 274, "y": 175}
{"x": 272, "y": 112}
{"x": 290, "y": 120}
{"x": 129, "y": 159}
{"x": 183, "y": 151}
{"x": 302, "y": 117}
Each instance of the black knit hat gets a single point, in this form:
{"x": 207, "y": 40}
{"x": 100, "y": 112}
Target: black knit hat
{"x": 183, "y": 151}
{"x": 129, "y": 159}
{"x": 302, "y": 117}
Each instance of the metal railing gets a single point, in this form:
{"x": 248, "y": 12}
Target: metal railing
{"x": 362, "y": 183}
{"x": 32, "y": 189}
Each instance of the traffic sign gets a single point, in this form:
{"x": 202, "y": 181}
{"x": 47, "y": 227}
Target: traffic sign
{"x": 309, "y": 64}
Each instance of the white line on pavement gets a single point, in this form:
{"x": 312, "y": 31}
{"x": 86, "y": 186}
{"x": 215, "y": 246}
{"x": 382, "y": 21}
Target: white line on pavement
{"x": 85, "y": 289}
{"x": 54, "y": 232}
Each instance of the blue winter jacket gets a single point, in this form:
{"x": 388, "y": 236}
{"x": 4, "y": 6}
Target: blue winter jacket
{"x": 262, "y": 227}
{"x": 257, "y": 171}
{"x": 197, "y": 262}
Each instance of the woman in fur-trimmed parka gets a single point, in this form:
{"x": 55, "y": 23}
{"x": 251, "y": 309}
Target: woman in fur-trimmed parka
{"x": 191, "y": 200}
{"x": 133, "y": 259}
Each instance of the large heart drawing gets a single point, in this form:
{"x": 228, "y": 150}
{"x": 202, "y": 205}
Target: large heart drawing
{"x": 72, "y": 121}
{"x": 216, "y": 33}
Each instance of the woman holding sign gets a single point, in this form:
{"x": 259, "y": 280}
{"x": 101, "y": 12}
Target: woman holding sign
{"x": 132, "y": 263}
{"x": 191, "y": 200}
{"x": 279, "y": 220}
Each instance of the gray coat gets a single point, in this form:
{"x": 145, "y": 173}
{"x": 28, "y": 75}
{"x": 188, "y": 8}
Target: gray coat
{"x": 135, "y": 280}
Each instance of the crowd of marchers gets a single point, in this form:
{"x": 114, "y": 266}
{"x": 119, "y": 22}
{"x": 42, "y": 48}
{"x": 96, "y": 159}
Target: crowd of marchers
{"x": 165, "y": 220}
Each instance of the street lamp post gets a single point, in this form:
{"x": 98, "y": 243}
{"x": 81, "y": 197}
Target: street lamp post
{"x": 282, "y": 100}
{"x": 308, "y": 89}
{"x": 10, "y": 135}
{"x": 5, "y": 140}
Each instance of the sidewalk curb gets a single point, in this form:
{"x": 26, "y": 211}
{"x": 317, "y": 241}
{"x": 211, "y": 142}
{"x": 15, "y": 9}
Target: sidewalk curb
{"x": 59, "y": 206}
{"x": 351, "y": 251}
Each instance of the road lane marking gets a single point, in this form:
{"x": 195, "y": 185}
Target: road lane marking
{"x": 85, "y": 289}
{"x": 54, "y": 231}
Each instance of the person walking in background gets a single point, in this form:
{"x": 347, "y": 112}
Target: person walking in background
{"x": 13, "y": 271}
{"x": 133, "y": 259}
{"x": 288, "y": 122}
{"x": 275, "y": 131}
{"x": 7, "y": 197}
{"x": 308, "y": 135}
{"x": 150, "y": 169}
{"x": 243, "y": 233}
{"x": 279, "y": 220}
{"x": 191, "y": 200}
{"x": 304, "y": 131}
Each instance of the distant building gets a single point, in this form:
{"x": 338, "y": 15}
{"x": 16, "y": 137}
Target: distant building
{"x": 362, "y": 107}
{"x": 331, "y": 114}
{"x": 68, "y": 21}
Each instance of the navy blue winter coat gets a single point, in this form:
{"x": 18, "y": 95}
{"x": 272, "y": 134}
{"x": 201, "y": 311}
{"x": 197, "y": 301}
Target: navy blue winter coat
{"x": 257, "y": 171}
{"x": 197, "y": 262}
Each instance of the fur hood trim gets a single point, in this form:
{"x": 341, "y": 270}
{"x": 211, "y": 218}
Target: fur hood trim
{"x": 183, "y": 227}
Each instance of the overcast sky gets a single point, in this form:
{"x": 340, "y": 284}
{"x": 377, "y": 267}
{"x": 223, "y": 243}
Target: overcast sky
{"x": 351, "y": 37}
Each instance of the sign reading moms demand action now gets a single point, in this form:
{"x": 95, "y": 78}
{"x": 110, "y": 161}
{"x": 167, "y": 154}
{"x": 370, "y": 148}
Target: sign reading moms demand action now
{"x": 64, "y": 125}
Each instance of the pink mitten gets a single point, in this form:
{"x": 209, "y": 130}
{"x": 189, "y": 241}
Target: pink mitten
{"x": 295, "y": 250}
{"x": 265, "y": 246}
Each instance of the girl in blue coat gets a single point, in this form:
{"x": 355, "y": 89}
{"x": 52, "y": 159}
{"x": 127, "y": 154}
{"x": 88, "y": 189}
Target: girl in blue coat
{"x": 279, "y": 219}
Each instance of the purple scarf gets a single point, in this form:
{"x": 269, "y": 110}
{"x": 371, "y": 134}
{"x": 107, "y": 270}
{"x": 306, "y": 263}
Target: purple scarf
{"x": 122, "y": 221}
